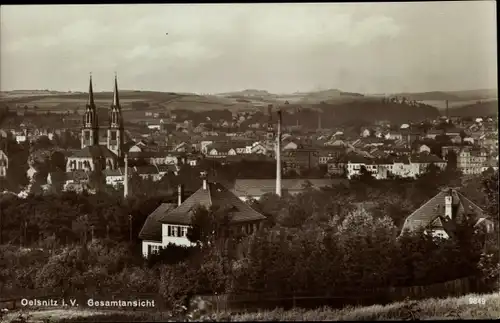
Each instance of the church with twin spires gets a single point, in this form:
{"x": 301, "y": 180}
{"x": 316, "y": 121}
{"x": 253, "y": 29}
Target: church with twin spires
{"x": 102, "y": 147}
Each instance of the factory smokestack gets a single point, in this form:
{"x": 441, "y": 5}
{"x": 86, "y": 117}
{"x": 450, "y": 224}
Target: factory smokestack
{"x": 125, "y": 179}
{"x": 447, "y": 110}
{"x": 278, "y": 156}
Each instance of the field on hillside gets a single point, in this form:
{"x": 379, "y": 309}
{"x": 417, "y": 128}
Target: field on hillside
{"x": 466, "y": 307}
{"x": 135, "y": 103}
{"x": 441, "y": 105}
{"x": 468, "y": 95}
{"x": 144, "y": 101}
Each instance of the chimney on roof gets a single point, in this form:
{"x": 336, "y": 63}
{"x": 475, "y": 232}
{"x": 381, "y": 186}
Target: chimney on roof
{"x": 203, "y": 176}
{"x": 179, "y": 195}
{"x": 448, "y": 202}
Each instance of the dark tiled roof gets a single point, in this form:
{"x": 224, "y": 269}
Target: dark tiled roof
{"x": 358, "y": 159}
{"x": 148, "y": 169}
{"x": 215, "y": 195}
{"x": 426, "y": 158}
{"x": 151, "y": 230}
{"x": 95, "y": 151}
{"x": 427, "y": 214}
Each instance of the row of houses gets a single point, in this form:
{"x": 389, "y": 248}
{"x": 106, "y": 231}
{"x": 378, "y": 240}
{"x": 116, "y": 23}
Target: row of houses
{"x": 397, "y": 166}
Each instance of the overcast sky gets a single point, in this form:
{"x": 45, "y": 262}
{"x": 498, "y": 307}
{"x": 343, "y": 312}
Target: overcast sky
{"x": 365, "y": 47}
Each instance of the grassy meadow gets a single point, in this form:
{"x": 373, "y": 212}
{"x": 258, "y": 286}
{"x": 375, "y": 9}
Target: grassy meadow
{"x": 428, "y": 309}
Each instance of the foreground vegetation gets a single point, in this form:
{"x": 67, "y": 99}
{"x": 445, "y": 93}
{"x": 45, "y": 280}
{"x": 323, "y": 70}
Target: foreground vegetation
{"x": 453, "y": 308}
{"x": 337, "y": 242}
{"x": 428, "y": 309}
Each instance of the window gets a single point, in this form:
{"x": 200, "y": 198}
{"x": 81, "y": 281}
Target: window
{"x": 87, "y": 135}
{"x": 113, "y": 135}
{"x": 176, "y": 231}
{"x": 155, "y": 249}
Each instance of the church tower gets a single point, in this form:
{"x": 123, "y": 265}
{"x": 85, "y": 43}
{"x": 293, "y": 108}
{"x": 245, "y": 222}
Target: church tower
{"x": 90, "y": 129}
{"x": 115, "y": 130}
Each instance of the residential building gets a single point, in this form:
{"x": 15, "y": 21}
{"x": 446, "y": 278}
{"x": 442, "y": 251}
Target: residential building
{"x": 470, "y": 161}
{"x": 424, "y": 149}
{"x": 258, "y": 148}
{"x": 291, "y": 145}
{"x": 300, "y": 159}
{"x": 326, "y": 154}
{"x": 220, "y": 150}
{"x": 424, "y": 160}
{"x": 394, "y": 135}
{"x": 355, "y": 163}
{"x": 365, "y": 133}
{"x": 336, "y": 167}
{"x": 115, "y": 177}
{"x": 401, "y": 166}
{"x": 440, "y": 215}
{"x": 169, "y": 224}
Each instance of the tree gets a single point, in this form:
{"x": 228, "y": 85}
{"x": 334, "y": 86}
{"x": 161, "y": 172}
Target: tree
{"x": 364, "y": 176}
{"x": 97, "y": 180}
{"x": 209, "y": 225}
{"x": 451, "y": 160}
{"x": 42, "y": 143}
{"x": 57, "y": 161}
{"x": 171, "y": 254}
{"x": 490, "y": 189}
{"x": 367, "y": 244}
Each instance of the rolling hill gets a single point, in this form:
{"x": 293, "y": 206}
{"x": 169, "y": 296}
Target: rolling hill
{"x": 337, "y": 105}
{"x": 483, "y": 109}
{"x": 466, "y": 95}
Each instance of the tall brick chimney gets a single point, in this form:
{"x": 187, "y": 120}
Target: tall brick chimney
{"x": 448, "y": 204}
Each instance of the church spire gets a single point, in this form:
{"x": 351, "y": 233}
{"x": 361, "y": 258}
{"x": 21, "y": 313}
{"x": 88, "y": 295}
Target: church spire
{"x": 116, "y": 136}
{"x": 91, "y": 92}
{"x": 116, "y": 101}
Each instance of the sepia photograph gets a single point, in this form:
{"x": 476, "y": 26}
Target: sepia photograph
{"x": 249, "y": 162}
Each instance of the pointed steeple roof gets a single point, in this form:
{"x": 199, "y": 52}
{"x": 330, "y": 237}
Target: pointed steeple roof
{"x": 91, "y": 93}
{"x": 116, "y": 100}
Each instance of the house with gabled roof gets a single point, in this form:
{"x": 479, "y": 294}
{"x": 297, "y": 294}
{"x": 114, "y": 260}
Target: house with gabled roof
{"x": 440, "y": 215}
{"x": 169, "y": 224}
{"x": 148, "y": 172}
{"x": 220, "y": 150}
